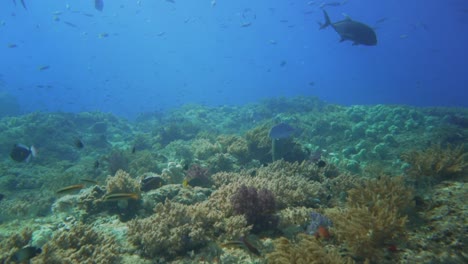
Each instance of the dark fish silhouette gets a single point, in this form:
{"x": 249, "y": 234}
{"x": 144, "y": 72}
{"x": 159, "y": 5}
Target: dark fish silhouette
{"x": 96, "y": 164}
{"x": 22, "y": 153}
{"x": 22, "y": 3}
{"x": 281, "y": 130}
{"x": 25, "y": 254}
{"x": 78, "y": 143}
{"x": 99, "y": 4}
{"x": 349, "y": 29}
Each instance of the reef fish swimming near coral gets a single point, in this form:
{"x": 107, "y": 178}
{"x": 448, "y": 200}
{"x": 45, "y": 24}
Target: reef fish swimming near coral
{"x": 70, "y": 188}
{"x": 22, "y": 153}
{"x": 348, "y": 29}
{"x": 25, "y": 254}
{"x": 78, "y": 143}
{"x": 282, "y": 130}
{"x": 121, "y": 196}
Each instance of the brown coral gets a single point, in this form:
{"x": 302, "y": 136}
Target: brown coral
{"x": 288, "y": 182}
{"x": 173, "y": 229}
{"x": 373, "y": 218}
{"x": 437, "y": 163}
{"x": 80, "y": 244}
{"x": 307, "y": 250}
{"x": 9, "y": 245}
{"x": 122, "y": 182}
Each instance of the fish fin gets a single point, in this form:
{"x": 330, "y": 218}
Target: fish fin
{"x": 327, "y": 20}
{"x": 14, "y": 2}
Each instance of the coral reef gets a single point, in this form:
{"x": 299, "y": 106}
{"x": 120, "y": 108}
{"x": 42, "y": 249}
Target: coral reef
{"x": 306, "y": 250}
{"x": 287, "y": 181}
{"x": 374, "y": 217}
{"x": 117, "y": 160}
{"x": 122, "y": 182}
{"x": 196, "y": 175}
{"x": 80, "y": 244}
{"x": 437, "y": 163}
{"x": 173, "y": 229}
{"x": 236, "y": 146}
{"x": 318, "y": 220}
{"x": 328, "y": 169}
{"x": 258, "y": 207}
{"x": 10, "y": 244}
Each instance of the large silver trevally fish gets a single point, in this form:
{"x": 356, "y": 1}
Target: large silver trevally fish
{"x": 348, "y": 29}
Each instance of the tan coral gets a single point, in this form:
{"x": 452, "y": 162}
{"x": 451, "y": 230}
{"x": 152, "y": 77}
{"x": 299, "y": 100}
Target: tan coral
{"x": 174, "y": 228}
{"x": 437, "y": 163}
{"x": 122, "y": 182}
{"x": 374, "y": 217}
{"x": 9, "y": 245}
{"x": 80, "y": 244}
{"x": 308, "y": 250}
{"x": 287, "y": 181}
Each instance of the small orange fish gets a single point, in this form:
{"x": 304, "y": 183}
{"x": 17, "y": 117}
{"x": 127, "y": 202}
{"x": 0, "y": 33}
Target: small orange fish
{"x": 322, "y": 232}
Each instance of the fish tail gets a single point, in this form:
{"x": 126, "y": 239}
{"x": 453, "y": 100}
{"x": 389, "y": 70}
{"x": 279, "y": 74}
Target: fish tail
{"x": 327, "y": 20}
{"x": 24, "y": 5}
{"x": 33, "y": 151}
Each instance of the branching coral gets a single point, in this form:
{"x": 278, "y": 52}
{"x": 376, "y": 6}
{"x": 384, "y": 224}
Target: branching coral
{"x": 122, "y": 182}
{"x": 203, "y": 148}
{"x": 307, "y": 250}
{"x": 80, "y": 244}
{"x": 9, "y": 245}
{"x": 287, "y": 181}
{"x": 437, "y": 163}
{"x": 196, "y": 175}
{"x": 258, "y": 207}
{"x": 259, "y": 144}
{"x": 236, "y": 146}
{"x": 117, "y": 160}
{"x": 173, "y": 229}
{"x": 373, "y": 218}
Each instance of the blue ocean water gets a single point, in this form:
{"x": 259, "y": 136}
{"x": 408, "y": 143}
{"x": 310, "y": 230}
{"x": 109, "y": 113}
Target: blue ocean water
{"x": 148, "y": 55}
